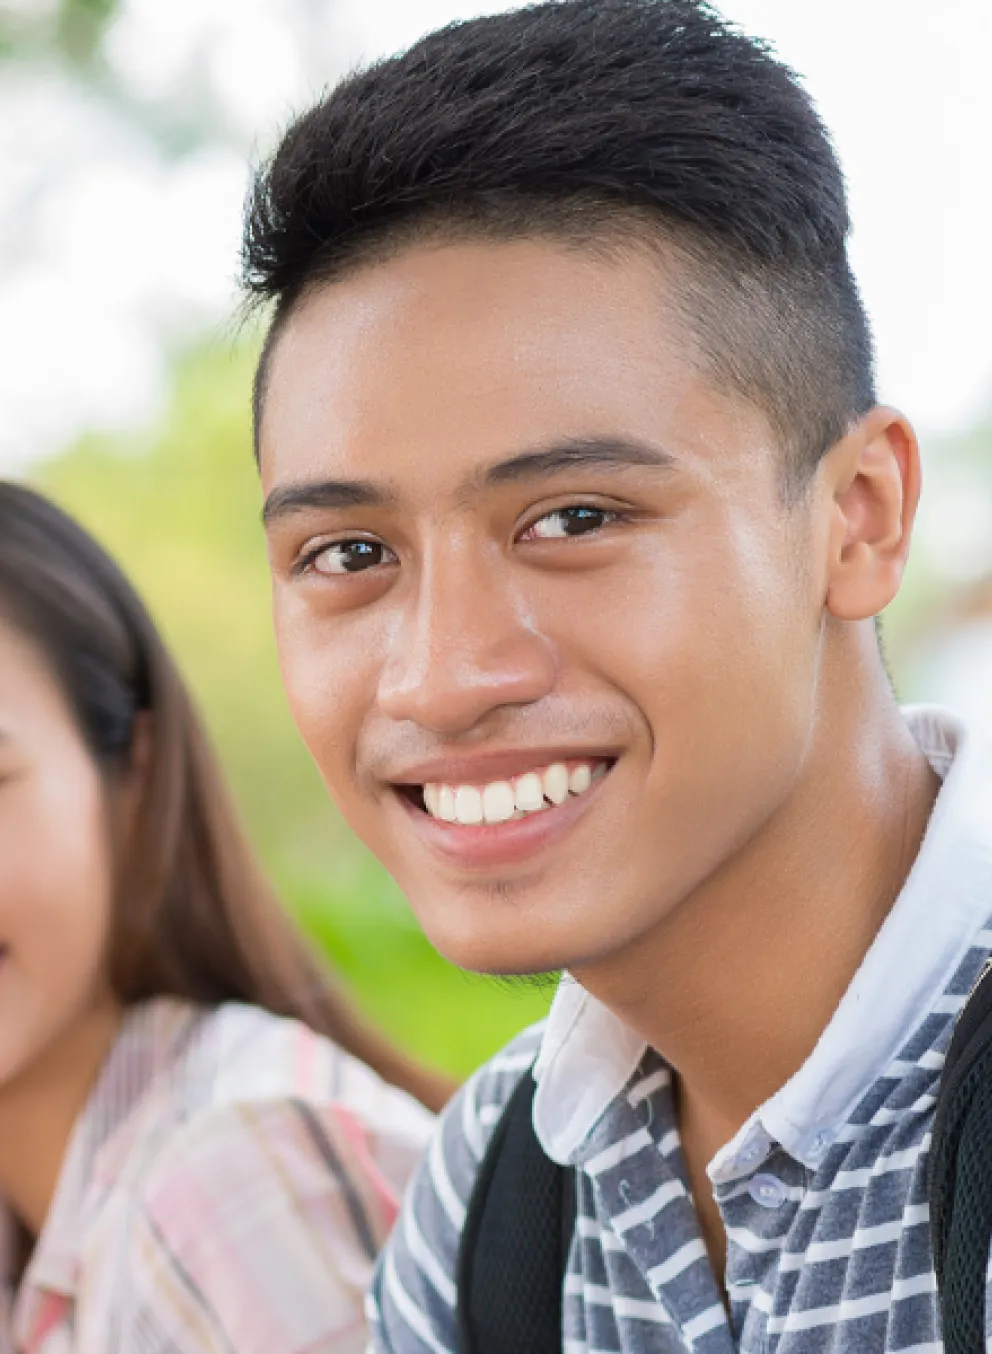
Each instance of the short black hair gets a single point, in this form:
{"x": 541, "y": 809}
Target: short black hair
{"x": 599, "y": 120}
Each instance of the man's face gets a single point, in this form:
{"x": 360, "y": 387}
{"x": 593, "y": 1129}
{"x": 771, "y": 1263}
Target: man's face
{"x": 528, "y": 561}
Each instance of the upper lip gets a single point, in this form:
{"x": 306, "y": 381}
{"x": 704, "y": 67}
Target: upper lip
{"x": 484, "y": 767}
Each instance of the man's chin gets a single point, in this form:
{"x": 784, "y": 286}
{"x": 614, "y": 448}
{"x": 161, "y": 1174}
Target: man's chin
{"x": 516, "y": 965}
{"x": 516, "y": 955}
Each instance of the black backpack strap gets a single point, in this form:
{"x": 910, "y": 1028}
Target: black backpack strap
{"x": 516, "y": 1239}
{"x": 960, "y": 1175}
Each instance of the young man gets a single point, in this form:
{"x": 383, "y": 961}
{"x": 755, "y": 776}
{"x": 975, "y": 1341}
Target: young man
{"x": 580, "y": 510}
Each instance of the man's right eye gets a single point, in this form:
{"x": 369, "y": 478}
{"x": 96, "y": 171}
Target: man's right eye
{"x": 348, "y": 557}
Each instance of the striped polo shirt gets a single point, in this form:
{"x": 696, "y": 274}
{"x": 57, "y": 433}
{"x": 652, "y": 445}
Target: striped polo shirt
{"x": 823, "y": 1190}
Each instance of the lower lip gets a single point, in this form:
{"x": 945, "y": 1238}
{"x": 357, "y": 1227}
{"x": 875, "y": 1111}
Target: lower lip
{"x": 495, "y": 844}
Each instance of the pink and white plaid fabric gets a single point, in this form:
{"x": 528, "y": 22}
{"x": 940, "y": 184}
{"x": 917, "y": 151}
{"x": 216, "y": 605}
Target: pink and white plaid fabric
{"x": 225, "y": 1189}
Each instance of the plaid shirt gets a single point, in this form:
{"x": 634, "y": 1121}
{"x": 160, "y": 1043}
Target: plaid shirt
{"x": 225, "y": 1189}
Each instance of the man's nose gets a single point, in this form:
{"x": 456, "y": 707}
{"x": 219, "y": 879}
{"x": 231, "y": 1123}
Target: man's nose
{"x": 465, "y": 646}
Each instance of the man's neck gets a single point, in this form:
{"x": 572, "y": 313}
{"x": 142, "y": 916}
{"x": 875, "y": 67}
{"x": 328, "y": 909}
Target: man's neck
{"x": 39, "y": 1108}
{"x": 735, "y": 987}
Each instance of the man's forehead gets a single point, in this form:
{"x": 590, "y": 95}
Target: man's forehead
{"x": 419, "y": 376}
{"x": 511, "y": 298}
{"x": 529, "y": 342}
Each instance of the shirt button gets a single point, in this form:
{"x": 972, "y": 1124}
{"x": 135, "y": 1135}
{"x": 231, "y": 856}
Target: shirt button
{"x": 753, "y": 1152}
{"x": 819, "y": 1144}
{"x": 767, "y": 1190}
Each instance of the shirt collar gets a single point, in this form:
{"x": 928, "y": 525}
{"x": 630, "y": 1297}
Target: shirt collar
{"x": 588, "y": 1055}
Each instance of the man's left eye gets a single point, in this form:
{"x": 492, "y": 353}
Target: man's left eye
{"x": 564, "y": 522}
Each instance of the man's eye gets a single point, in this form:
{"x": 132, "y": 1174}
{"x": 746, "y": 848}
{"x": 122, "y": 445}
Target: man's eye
{"x": 350, "y": 557}
{"x": 564, "y": 522}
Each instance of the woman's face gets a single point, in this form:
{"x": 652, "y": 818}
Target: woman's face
{"x": 55, "y": 864}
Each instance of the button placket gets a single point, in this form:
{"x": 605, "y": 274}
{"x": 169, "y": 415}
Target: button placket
{"x": 647, "y": 1206}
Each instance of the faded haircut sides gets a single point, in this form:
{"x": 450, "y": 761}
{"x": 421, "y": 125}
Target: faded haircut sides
{"x": 604, "y": 122}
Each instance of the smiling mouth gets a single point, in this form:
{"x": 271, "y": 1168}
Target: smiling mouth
{"x": 504, "y": 801}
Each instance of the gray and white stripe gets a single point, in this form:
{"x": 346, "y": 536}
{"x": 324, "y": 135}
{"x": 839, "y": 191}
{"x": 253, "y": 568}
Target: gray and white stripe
{"x": 833, "y": 1258}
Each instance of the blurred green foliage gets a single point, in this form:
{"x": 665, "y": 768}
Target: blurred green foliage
{"x": 179, "y": 508}
{"x": 69, "y": 29}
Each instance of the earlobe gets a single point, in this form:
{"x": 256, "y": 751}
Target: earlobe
{"x": 876, "y": 488}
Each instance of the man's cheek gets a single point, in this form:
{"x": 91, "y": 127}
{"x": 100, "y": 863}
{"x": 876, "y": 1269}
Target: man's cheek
{"x": 310, "y": 685}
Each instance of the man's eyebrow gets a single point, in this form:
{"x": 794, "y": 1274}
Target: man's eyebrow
{"x": 293, "y": 498}
{"x": 556, "y": 458}
{"x": 577, "y": 453}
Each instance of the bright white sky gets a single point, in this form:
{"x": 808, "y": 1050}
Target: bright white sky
{"x": 108, "y": 252}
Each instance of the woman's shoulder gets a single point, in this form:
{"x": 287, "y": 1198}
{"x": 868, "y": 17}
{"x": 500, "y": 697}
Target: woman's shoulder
{"x": 237, "y": 1074}
{"x": 263, "y": 1152}
{"x": 265, "y": 1214}
{"x": 243, "y": 1054}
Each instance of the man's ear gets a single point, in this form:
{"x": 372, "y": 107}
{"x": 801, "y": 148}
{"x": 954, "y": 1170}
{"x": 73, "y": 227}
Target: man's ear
{"x": 873, "y": 476}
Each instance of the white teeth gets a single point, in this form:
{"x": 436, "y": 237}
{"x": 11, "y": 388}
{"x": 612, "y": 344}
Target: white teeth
{"x": 528, "y": 792}
{"x": 503, "y": 801}
{"x": 556, "y": 782}
{"x": 468, "y": 805}
{"x": 498, "y": 804}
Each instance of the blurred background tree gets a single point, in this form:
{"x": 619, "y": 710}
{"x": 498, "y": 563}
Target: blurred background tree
{"x": 126, "y": 128}
{"x": 71, "y": 29}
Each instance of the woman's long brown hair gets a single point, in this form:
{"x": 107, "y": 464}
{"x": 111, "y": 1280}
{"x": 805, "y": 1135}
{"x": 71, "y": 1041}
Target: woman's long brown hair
{"x": 194, "y": 915}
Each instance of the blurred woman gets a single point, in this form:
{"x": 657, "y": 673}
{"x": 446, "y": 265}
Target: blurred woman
{"x": 201, "y": 1147}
